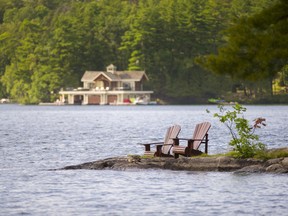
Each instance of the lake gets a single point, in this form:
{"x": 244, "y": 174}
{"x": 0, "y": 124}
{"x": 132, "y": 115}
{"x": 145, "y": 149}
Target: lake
{"x": 34, "y": 139}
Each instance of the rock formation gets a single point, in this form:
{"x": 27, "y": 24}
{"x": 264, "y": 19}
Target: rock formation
{"x": 222, "y": 163}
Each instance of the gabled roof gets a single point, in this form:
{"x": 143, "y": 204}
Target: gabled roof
{"x": 90, "y": 76}
{"x": 131, "y": 75}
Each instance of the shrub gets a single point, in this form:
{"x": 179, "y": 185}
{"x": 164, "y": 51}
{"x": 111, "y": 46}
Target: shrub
{"x": 244, "y": 141}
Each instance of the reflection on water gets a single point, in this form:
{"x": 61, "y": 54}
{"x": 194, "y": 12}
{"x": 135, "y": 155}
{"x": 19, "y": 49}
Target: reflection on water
{"x": 35, "y": 139}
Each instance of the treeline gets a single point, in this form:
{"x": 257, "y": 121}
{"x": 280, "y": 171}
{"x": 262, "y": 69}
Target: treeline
{"x": 48, "y": 44}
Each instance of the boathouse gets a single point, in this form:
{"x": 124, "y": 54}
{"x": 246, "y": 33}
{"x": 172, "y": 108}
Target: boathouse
{"x": 108, "y": 87}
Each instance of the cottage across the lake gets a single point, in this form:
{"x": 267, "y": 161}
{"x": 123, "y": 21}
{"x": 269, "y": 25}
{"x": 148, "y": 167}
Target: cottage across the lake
{"x": 109, "y": 87}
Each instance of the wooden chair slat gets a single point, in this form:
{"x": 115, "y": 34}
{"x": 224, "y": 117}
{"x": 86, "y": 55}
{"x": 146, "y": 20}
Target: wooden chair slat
{"x": 173, "y": 133}
{"x": 200, "y": 135}
{"x": 163, "y": 148}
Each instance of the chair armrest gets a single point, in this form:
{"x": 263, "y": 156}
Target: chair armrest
{"x": 188, "y": 139}
{"x": 181, "y": 139}
{"x": 156, "y": 143}
{"x": 147, "y": 145}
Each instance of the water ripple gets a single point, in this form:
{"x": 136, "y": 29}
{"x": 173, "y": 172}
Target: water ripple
{"x": 35, "y": 139}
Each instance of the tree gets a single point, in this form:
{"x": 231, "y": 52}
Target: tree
{"x": 48, "y": 44}
{"x": 256, "y": 47}
{"x": 164, "y": 39}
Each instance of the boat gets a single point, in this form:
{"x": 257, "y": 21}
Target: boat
{"x": 220, "y": 101}
{"x": 4, "y": 101}
{"x": 144, "y": 101}
{"x": 216, "y": 101}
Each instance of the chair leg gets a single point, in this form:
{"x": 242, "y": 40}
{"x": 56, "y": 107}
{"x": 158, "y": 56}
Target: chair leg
{"x": 158, "y": 151}
{"x": 206, "y": 143}
{"x": 176, "y": 143}
{"x": 147, "y": 147}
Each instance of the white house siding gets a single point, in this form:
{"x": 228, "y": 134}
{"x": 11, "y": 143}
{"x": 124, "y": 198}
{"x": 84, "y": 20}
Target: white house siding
{"x": 102, "y": 96}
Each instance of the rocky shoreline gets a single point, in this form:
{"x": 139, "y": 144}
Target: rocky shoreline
{"x": 220, "y": 164}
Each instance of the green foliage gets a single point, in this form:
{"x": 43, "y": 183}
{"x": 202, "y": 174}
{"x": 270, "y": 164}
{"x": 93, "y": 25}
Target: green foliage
{"x": 244, "y": 142}
{"x": 255, "y": 45}
{"x": 48, "y": 44}
{"x": 165, "y": 37}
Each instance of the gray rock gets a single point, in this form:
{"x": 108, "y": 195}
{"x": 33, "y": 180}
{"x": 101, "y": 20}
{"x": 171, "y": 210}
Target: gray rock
{"x": 276, "y": 168}
{"x": 285, "y": 162}
{"x": 251, "y": 169}
{"x": 273, "y": 161}
{"x": 226, "y": 164}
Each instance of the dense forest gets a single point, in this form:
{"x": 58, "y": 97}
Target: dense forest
{"x": 191, "y": 50}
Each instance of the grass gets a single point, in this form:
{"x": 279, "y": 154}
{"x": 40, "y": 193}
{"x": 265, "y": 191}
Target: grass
{"x": 265, "y": 155}
{"x": 272, "y": 154}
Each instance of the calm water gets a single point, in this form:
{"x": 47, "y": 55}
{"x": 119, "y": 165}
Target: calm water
{"x": 34, "y": 139}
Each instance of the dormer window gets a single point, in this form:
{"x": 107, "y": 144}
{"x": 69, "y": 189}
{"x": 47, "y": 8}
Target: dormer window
{"x": 111, "y": 68}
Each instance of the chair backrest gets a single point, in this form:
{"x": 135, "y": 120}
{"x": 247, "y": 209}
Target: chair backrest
{"x": 172, "y": 132}
{"x": 199, "y": 133}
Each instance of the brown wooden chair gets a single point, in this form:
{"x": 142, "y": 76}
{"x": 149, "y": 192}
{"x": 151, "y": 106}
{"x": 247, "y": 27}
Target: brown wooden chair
{"x": 163, "y": 148}
{"x": 200, "y": 136}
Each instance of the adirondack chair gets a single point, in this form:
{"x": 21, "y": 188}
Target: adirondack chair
{"x": 163, "y": 148}
{"x": 200, "y": 136}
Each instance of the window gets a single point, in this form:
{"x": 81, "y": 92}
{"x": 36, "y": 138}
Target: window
{"x": 127, "y": 86}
